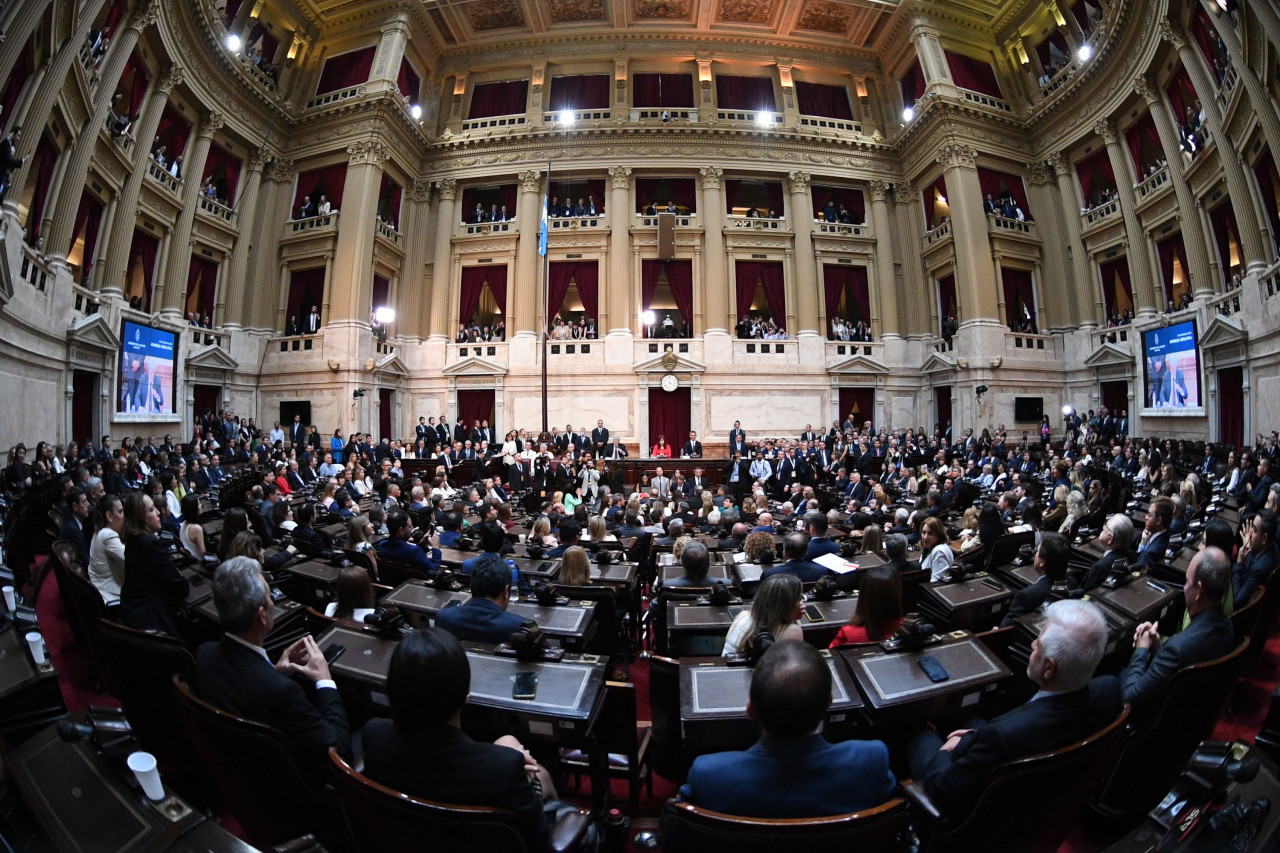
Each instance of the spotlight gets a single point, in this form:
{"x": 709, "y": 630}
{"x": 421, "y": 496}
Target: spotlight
{"x": 416, "y": 112}
{"x": 764, "y": 119}
{"x": 233, "y": 43}
{"x": 1084, "y": 53}
{"x": 565, "y": 117}
{"x": 908, "y": 113}
{"x": 384, "y": 315}
{"x": 648, "y": 318}
{"x": 1067, "y": 411}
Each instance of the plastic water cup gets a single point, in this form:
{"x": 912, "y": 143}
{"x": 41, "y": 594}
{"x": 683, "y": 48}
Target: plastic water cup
{"x": 36, "y": 644}
{"x": 143, "y": 765}
{"x": 10, "y": 599}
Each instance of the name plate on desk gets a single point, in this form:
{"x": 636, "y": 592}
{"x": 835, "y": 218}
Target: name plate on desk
{"x": 896, "y": 678}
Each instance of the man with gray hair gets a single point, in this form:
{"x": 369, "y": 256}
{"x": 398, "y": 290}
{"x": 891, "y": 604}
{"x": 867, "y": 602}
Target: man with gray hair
{"x": 1208, "y": 636}
{"x": 1117, "y": 538}
{"x": 236, "y": 675}
{"x": 1068, "y": 706}
{"x": 895, "y": 548}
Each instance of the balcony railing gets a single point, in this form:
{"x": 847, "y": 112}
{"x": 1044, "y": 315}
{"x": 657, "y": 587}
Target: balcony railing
{"x": 1118, "y": 335}
{"x": 201, "y": 337}
{"x": 838, "y": 351}
{"x": 579, "y": 115}
{"x": 35, "y": 269}
{"x": 821, "y": 123}
{"x": 1228, "y": 86}
{"x": 687, "y": 347}
{"x": 1225, "y": 303}
{"x": 1024, "y": 343}
{"x": 938, "y": 233}
{"x": 848, "y": 229}
{"x": 1269, "y": 282}
{"x": 683, "y": 220}
{"x": 495, "y": 351}
{"x": 942, "y": 346}
{"x": 755, "y": 223}
{"x": 494, "y": 122}
{"x": 1101, "y": 212}
{"x": 1057, "y": 81}
{"x": 298, "y": 343}
{"x": 1152, "y": 182}
{"x": 579, "y": 348}
{"x": 86, "y": 301}
{"x": 387, "y": 232}
{"x": 336, "y": 96}
{"x": 161, "y": 175}
{"x": 215, "y": 208}
{"x": 568, "y": 223}
{"x": 752, "y": 116}
{"x": 639, "y": 114}
{"x": 314, "y": 223}
{"x": 769, "y": 352}
{"x": 985, "y": 100}
{"x": 1007, "y": 225}
{"x": 266, "y": 80}
{"x": 486, "y": 228}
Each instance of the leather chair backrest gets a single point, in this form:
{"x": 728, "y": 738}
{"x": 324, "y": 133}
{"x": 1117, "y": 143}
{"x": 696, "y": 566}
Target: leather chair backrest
{"x": 256, "y": 772}
{"x": 1159, "y": 745}
{"x": 607, "y": 638}
{"x": 666, "y": 755}
{"x": 385, "y": 819}
{"x": 1030, "y": 804}
{"x": 689, "y": 829}
{"x": 393, "y": 573}
{"x": 140, "y": 668}
{"x": 82, "y": 601}
{"x": 1007, "y": 547}
{"x": 1268, "y": 612}
{"x": 1244, "y": 619}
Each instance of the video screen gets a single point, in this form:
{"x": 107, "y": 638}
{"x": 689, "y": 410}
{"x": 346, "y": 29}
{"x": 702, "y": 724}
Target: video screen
{"x": 1171, "y": 360}
{"x": 146, "y": 371}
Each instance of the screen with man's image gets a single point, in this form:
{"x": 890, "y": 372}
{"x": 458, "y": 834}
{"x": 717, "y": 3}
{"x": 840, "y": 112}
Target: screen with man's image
{"x": 146, "y": 371}
{"x": 1172, "y": 359}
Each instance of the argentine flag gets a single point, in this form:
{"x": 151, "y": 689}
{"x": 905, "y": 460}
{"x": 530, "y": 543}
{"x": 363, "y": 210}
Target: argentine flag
{"x": 542, "y": 230}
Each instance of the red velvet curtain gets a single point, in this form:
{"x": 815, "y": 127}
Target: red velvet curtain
{"x": 650, "y": 272}
{"x": 306, "y": 288}
{"x": 498, "y": 99}
{"x": 1081, "y": 15}
{"x": 851, "y": 281}
{"x": 143, "y": 250}
{"x": 816, "y": 99}
{"x": 22, "y": 71}
{"x": 328, "y": 181}
{"x": 1090, "y": 169}
{"x": 859, "y": 402}
{"x": 947, "y": 306}
{"x": 389, "y": 193}
{"x": 1268, "y": 177}
{"x": 750, "y": 274}
{"x": 172, "y": 132}
{"x": 229, "y": 10}
{"x": 848, "y": 196}
{"x": 973, "y": 74}
{"x": 475, "y": 406}
{"x": 662, "y": 91}
{"x": 668, "y": 417}
{"x": 739, "y": 193}
{"x": 913, "y": 83}
{"x": 1182, "y": 94}
{"x": 223, "y": 166}
{"x": 995, "y": 184}
{"x": 202, "y": 283}
{"x": 1019, "y": 297}
{"x": 1205, "y": 35}
{"x": 346, "y": 69}
{"x": 505, "y": 194}
{"x": 88, "y": 221}
{"x": 138, "y": 88}
{"x": 583, "y": 273}
{"x": 570, "y": 189}
{"x": 266, "y": 44}
{"x": 1115, "y": 274}
{"x": 116, "y": 12}
{"x": 1223, "y": 220}
{"x": 929, "y": 196}
{"x": 46, "y": 158}
{"x": 498, "y": 286}
{"x": 473, "y": 279}
{"x": 1168, "y": 250}
{"x": 1057, "y": 40}
{"x": 744, "y": 93}
{"x": 381, "y": 292}
{"x": 1231, "y": 405}
{"x": 1144, "y": 143}
{"x": 658, "y": 191}
{"x": 679, "y": 279}
{"x": 579, "y": 92}
{"x": 408, "y": 81}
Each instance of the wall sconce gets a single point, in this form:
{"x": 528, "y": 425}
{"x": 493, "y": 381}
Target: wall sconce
{"x": 334, "y": 366}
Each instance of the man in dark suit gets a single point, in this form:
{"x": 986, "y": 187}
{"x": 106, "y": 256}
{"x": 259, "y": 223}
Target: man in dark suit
{"x": 692, "y": 448}
{"x": 236, "y": 675}
{"x": 1051, "y": 566}
{"x": 1116, "y": 536}
{"x": 1207, "y": 637}
{"x": 1258, "y": 558}
{"x": 599, "y": 438}
{"x": 738, "y": 446}
{"x": 895, "y": 548}
{"x": 795, "y": 547}
{"x": 74, "y": 527}
{"x": 737, "y": 535}
{"x": 398, "y": 548}
{"x": 1262, "y": 487}
{"x": 737, "y": 434}
{"x": 297, "y": 432}
{"x": 1066, "y": 708}
{"x": 9, "y": 159}
{"x": 808, "y": 434}
{"x": 484, "y": 618}
{"x": 815, "y": 524}
{"x": 792, "y": 771}
{"x": 444, "y": 435}
{"x": 460, "y": 432}
{"x": 1159, "y": 517}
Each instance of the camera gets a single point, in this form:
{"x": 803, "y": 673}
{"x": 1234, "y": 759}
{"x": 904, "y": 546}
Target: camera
{"x": 357, "y": 394}
{"x": 666, "y": 116}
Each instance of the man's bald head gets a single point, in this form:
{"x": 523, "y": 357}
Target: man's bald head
{"x": 790, "y": 689}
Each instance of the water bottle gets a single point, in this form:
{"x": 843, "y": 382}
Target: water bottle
{"x": 515, "y": 578}
{"x": 615, "y": 832}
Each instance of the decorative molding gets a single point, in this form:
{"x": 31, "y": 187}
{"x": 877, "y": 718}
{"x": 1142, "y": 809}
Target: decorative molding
{"x": 282, "y": 171}
{"x": 904, "y": 192}
{"x": 1171, "y": 34}
{"x": 1039, "y": 173}
{"x": 1143, "y": 88}
{"x": 146, "y": 17}
{"x": 711, "y": 177}
{"x": 170, "y": 78}
{"x": 620, "y": 177}
{"x": 879, "y": 189}
{"x": 448, "y": 188}
{"x": 1105, "y": 129}
{"x": 211, "y": 124}
{"x": 798, "y": 182}
{"x": 368, "y": 152}
{"x": 955, "y": 155}
{"x": 530, "y": 181}
{"x": 419, "y": 190}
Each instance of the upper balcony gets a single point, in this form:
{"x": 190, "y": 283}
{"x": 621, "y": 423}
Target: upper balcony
{"x": 161, "y": 176}
{"x": 755, "y": 223}
{"x": 495, "y": 351}
{"x": 1095, "y": 215}
{"x": 1114, "y": 335}
{"x": 640, "y": 115}
{"x": 821, "y": 123}
{"x": 988, "y": 101}
{"x": 843, "y": 229}
{"x": 337, "y": 96}
{"x": 386, "y": 231}
{"x": 487, "y": 229}
{"x": 1005, "y": 226}
{"x": 838, "y": 351}
{"x": 683, "y": 220}
{"x": 938, "y": 233}
{"x": 326, "y": 223}
{"x": 492, "y": 123}
{"x": 1150, "y": 186}
{"x": 573, "y": 223}
{"x": 1025, "y": 345}
{"x": 755, "y": 118}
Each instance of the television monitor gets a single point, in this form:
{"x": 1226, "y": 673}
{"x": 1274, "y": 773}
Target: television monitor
{"x": 147, "y": 361}
{"x": 1171, "y": 370}
{"x": 1028, "y": 410}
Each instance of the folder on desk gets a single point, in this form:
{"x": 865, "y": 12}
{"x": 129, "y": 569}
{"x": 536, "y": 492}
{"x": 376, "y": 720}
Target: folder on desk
{"x": 836, "y": 563}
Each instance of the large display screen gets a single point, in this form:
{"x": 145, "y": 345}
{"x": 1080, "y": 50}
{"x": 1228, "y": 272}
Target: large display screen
{"x": 1171, "y": 361}
{"x": 147, "y": 359}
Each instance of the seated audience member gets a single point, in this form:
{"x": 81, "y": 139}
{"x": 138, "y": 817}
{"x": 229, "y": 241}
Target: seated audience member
{"x": 575, "y": 567}
{"x": 1051, "y": 569}
{"x": 359, "y": 529}
{"x": 816, "y": 525}
{"x": 106, "y": 552}
{"x": 879, "y": 610}
{"x": 1066, "y": 708}
{"x": 1257, "y": 560}
{"x": 452, "y": 529}
{"x": 895, "y": 548}
{"x": 1217, "y": 534}
{"x": 569, "y": 532}
{"x": 191, "y": 534}
{"x": 304, "y": 530}
{"x": 75, "y": 529}
{"x": 236, "y": 675}
{"x": 423, "y": 752}
{"x": 1156, "y": 533}
{"x": 153, "y": 590}
{"x": 696, "y": 562}
{"x": 483, "y": 618}
{"x": 938, "y": 555}
{"x": 355, "y": 599}
{"x": 397, "y": 547}
{"x": 773, "y": 617}
{"x": 792, "y": 771}
{"x": 1116, "y": 536}
{"x": 794, "y": 547}
{"x": 1206, "y": 638}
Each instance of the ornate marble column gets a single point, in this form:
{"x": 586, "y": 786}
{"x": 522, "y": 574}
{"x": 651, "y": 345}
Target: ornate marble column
{"x": 617, "y": 308}
{"x": 411, "y": 320}
{"x": 1059, "y": 293}
{"x": 806, "y": 269}
{"x": 976, "y": 287}
{"x": 351, "y": 287}
{"x": 231, "y": 290}
{"x": 715, "y": 280}
{"x": 884, "y": 283}
{"x": 442, "y": 259}
{"x": 253, "y": 308}
{"x": 174, "y": 293}
{"x": 528, "y": 278}
{"x": 1084, "y": 280}
{"x": 1140, "y": 272}
{"x": 917, "y": 296}
{"x": 1260, "y": 99}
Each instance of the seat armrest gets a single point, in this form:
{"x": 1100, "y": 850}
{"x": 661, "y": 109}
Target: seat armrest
{"x": 918, "y": 797}
{"x": 569, "y": 831}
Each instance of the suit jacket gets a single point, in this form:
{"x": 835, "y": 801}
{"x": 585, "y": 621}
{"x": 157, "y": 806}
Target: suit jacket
{"x": 404, "y": 551}
{"x": 445, "y": 765}
{"x": 737, "y": 435}
{"x": 1098, "y": 571}
{"x": 1155, "y": 550}
{"x": 820, "y": 545}
{"x": 792, "y": 778}
{"x": 807, "y": 572}
{"x": 153, "y": 589}
{"x": 600, "y": 436}
{"x": 1027, "y": 599}
{"x": 1207, "y": 637}
{"x": 1258, "y": 494}
{"x": 662, "y": 485}
{"x": 955, "y": 779}
{"x": 691, "y": 448}
{"x": 1256, "y": 569}
{"x": 73, "y": 531}
{"x": 238, "y": 679}
{"x": 479, "y": 620}
{"x": 737, "y": 446}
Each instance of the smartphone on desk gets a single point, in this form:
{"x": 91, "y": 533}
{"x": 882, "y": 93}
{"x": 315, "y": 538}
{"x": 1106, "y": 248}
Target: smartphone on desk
{"x": 813, "y": 614}
{"x": 526, "y": 686}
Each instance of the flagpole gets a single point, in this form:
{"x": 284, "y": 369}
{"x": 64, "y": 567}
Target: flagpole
{"x": 544, "y": 240}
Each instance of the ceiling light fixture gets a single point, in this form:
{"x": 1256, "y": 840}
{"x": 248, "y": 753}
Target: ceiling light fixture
{"x": 233, "y": 43}
{"x": 908, "y": 113}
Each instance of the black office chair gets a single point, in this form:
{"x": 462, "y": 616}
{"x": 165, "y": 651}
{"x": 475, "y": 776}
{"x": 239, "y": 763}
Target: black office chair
{"x": 667, "y": 756}
{"x": 618, "y": 734}
{"x": 687, "y": 828}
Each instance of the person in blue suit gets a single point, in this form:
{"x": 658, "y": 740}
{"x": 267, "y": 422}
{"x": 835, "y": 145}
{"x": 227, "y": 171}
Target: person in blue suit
{"x": 795, "y": 547}
{"x": 1258, "y": 558}
{"x": 816, "y": 525}
{"x": 483, "y": 618}
{"x": 398, "y": 548}
{"x": 792, "y": 771}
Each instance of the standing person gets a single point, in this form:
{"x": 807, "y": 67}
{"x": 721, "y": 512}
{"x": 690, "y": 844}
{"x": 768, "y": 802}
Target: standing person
{"x": 9, "y": 159}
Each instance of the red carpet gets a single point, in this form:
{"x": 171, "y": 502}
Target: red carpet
{"x": 77, "y": 678}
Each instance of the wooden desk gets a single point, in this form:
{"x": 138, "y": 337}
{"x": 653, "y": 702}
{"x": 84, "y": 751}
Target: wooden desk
{"x": 975, "y": 603}
{"x": 316, "y": 581}
{"x": 419, "y": 602}
{"x": 713, "y": 470}
{"x": 713, "y": 704}
{"x": 700, "y": 629}
{"x": 1144, "y": 599}
{"x": 29, "y": 694}
{"x": 715, "y": 573}
{"x": 572, "y": 625}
